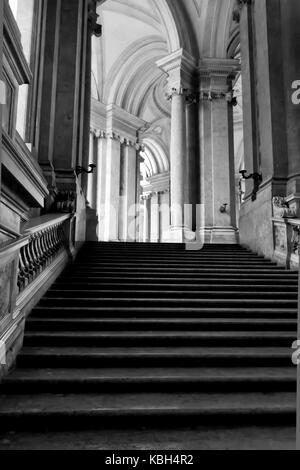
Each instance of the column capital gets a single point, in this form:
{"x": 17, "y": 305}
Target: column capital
{"x": 180, "y": 68}
{"x": 179, "y": 92}
{"x": 98, "y": 133}
{"x": 216, "y": 77}
{"x": 146, "y": 196}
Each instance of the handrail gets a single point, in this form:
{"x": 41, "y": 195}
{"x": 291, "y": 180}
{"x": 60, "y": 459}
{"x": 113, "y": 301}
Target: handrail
{"x": 45, "y": 221}
{"x": 44, "y": 239}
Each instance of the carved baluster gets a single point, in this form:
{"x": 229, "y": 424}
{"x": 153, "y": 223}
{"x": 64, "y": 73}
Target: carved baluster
{"x": 39, "y": 249}
{"x": 47, "y": 241}
{"x": 21, "y": 272}
{"x": 35, "y": 257}
{"x": 27, "y": 262}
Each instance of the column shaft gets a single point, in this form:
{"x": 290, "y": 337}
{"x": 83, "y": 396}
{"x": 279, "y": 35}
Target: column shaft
{"x": 178, "y": 161}
{"x": 112, "y": 198}
{"x": 101, "y": 186}
{"x": 127, "y": 230}
{"x": 155, "y": 219}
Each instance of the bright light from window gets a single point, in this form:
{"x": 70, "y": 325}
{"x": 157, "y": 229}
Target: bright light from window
{"x": 14, "y": 7}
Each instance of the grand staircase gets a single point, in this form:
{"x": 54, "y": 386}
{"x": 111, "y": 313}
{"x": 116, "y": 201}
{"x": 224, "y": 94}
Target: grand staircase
{"x": 194, "y": 345}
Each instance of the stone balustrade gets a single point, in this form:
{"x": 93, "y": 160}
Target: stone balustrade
{"x": 286, "y": 233}
{"x": 43, "y": 246}
{"x": 28, "y": 267}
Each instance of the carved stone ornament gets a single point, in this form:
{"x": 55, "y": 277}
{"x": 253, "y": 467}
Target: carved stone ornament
{"x": 296, "y": 239}
{"x": 65, "y": 202}
{"x": 282, "y": 209}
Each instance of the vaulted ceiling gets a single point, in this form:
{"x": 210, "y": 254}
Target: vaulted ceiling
{"x": 136, "y": 34}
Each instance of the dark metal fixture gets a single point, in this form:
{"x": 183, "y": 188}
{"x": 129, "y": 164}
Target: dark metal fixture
{"x": 257, "y": 178}
{"x": 80, "y": 169}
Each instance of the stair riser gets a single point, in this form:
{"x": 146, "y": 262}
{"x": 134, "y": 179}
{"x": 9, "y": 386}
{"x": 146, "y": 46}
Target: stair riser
{"x": 102, "y": 342}
{"x": 42, "y": 326}
{"x": 148, "y": 386}
{"x": 127, "y": 419}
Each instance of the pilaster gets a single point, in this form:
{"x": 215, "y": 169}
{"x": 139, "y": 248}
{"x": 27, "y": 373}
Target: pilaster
{"x": 217, "y": 150}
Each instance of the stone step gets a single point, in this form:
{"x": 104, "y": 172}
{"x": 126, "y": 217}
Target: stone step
{"x": 183, "y": 439}
{"x": 159, "y": 338}
{"x": 203, "y": 285}
{"x": 68, "y": 357}
{"x": 175, "y": 294}
{"x": 76, "y": 381}
{"x": 205, "y": 277}
{"x": 120, "y": 324}
{"x": 167, "y": 302}
{"x": 71, "y": 411}
{"x": 140, "y": 269}
{"x": 165, "y": 312}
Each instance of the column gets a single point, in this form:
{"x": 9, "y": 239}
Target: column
{"x": 290, "y": 61}
{"x": 155, "y": 218}
{"x": 127, "y": 229}
{"x": 245, "y": 17}
{"x": 49, "y": 88}
{"x": 164, "y": 214}
{"x": 181, "y": 68}
{"x": 112, "y": 193}
{"x": 146, "y": 198}
{"x": 217, "y": 156}
{"x": 178, "y": 162}
{"x": 192, "y": 197}
{"x": 101, "y": 183}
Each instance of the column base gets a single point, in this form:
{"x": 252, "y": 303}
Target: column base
{"x": 179, "y": 235}
{"x": 221, "y": 235}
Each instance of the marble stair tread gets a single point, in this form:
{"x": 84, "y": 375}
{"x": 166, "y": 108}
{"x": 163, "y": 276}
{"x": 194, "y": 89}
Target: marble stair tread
{"x": 153, "y": 294}
{"x": 148, "y": 402}
{"x": 197, "y": 438}
{"x": 290, "y": 286}
{"x": 166, "y": 373}
{"x": 159, "y": 351}
{"x": 173, "y": 312}
{"x": 173, "y": 334}
{"x": 206, "y": 302}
